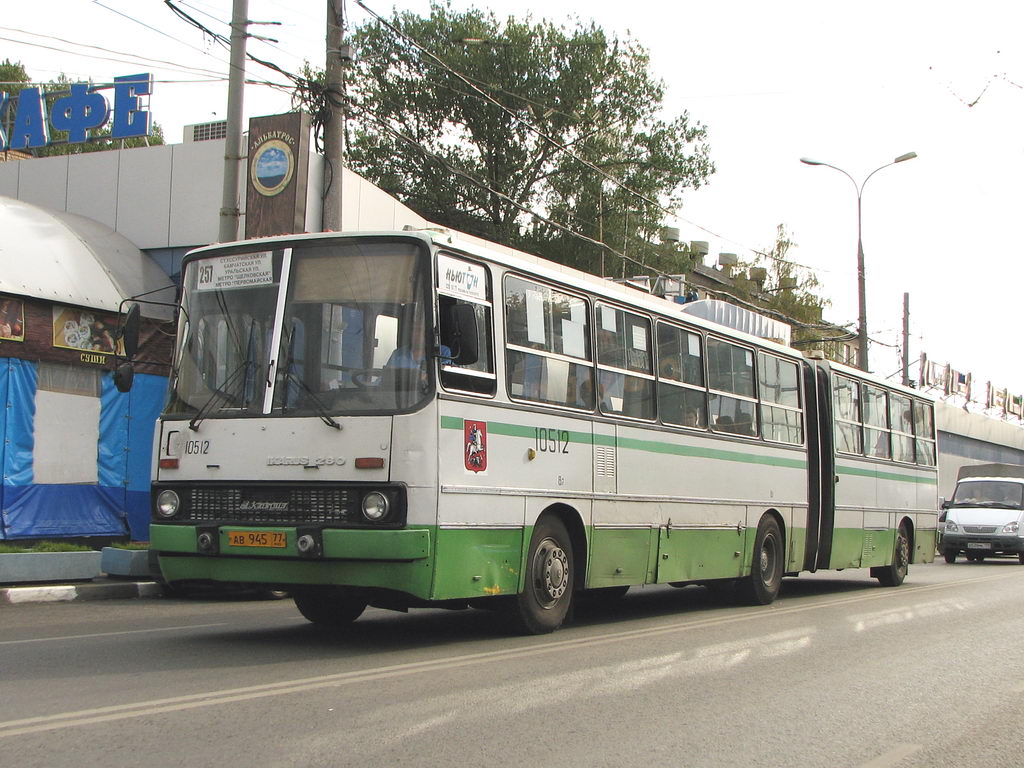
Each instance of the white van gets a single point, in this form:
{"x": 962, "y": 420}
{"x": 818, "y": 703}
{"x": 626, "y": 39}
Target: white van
{"x": 986, "y": 514}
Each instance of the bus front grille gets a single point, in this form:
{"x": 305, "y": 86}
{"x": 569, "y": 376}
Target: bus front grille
{"x": 279, "y": 506}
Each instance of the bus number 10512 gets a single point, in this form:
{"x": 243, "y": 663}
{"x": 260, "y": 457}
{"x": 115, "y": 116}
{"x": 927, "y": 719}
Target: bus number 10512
{"x": 551, "y": 440}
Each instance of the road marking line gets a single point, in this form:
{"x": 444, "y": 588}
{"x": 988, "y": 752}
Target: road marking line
{"x": 248, "y": 693}
{"x": 892, "y": 757}
{"x": 110, "y": 634}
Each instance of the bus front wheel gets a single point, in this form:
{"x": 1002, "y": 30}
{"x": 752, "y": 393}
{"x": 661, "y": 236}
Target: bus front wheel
{"x": 762, "y": 586}
{"x": 544, "y": 602}
{"x": 331, "y": 607}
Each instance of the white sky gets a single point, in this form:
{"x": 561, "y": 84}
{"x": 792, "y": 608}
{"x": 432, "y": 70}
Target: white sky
{"x": 853, "y": 85}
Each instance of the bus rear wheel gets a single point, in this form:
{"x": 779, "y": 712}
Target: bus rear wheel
{"x": 544, "y": 602}
{"x": 332, "y": 607}
{"x": 893, "y": 575}
{"x": 762, "y": 586}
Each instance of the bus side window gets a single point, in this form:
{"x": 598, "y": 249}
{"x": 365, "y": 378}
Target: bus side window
{"x": 682, "y": 400}
{"x": 464, "y": 297}
{"x": 624, "y": 359}
{"x": 876, "y": 423}
{"x": 547, "y": 348}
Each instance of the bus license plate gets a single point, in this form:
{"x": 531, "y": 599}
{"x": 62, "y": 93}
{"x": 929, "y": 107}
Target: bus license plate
{"x": 275, "y": 539}
{"x": 978, "y": 545}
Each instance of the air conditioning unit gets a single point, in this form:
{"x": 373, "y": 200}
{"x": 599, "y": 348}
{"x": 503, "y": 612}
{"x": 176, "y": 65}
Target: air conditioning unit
{"x": 205, "y": 131}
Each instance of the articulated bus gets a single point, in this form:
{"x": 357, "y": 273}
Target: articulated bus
{"x": 419, "y": 419}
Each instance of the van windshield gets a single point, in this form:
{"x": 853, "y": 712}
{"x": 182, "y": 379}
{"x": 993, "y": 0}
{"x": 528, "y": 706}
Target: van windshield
{"x": 989, "y": 493}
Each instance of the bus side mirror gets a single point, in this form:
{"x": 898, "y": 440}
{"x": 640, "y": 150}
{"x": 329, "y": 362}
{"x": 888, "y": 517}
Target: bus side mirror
{"x": 130, "y": 332}
{"x": 124, "y": 375}
{"x": 461, "y": 337}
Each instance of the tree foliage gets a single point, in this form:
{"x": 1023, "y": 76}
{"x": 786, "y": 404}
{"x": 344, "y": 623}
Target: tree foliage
{"x": 477, "y": 152}
{"x": 16, "y": 78}
{"x": 788, "y": 289}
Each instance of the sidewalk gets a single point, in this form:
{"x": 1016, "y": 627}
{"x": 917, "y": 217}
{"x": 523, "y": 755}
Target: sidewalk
{"x": 102, "y": 588}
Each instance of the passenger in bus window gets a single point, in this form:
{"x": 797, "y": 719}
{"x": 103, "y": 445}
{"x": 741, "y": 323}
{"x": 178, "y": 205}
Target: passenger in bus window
{"x": 693, "y": 417}
{"x": 414, "y": 354}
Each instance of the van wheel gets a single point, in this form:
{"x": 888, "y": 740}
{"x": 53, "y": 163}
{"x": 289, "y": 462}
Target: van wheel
{"x": 332, "y": 607}
{"x": 894, "y": 574}
{"x": 544, "y": 602}
{"x": 950, "y": 556}
{"x": 762, "y": 586}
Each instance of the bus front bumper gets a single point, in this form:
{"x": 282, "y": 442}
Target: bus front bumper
{"x": 982, "y": 544}
{"x": 387, "y": 559}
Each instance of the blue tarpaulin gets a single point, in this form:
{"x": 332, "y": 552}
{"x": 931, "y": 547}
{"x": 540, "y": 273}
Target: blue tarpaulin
{"x": 118, "y": 503}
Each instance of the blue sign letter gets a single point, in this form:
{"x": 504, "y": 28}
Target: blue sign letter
{"x": 79, "y": 112}
{"x": 29, "y": 129}
{"x": 129, "y": 120}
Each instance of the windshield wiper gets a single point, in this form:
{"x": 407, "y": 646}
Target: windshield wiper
{"x": 319, "y": 407}
{"x": 223, "y": 390}
{"x": 219, "y": 393}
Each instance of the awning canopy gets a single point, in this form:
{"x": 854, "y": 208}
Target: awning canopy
{"x": 65, "y": 258}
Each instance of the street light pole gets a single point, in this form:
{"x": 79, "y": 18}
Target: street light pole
{"x": 862, "y": 314}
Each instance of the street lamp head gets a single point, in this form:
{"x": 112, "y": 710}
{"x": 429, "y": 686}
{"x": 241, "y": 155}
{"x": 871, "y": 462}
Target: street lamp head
{"x": 808, "y": 161}
{"x": 908, "y": 156}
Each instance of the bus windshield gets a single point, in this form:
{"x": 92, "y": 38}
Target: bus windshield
{"x": 353, "y": 337}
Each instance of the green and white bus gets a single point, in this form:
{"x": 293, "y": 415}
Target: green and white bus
{"x": 418, "y": 419}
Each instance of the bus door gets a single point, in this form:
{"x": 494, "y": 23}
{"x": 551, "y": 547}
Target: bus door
{"x": 827, "y": 459}
{"x": 820, "y": 466}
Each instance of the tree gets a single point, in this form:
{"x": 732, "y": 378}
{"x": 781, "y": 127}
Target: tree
{"x": 16, "y": 78}
{"x": 502, "y": 119}
{"x": 791, "y": 293}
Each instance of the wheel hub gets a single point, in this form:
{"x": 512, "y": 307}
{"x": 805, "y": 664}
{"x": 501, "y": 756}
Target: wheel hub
{"x": 552, "y": 573}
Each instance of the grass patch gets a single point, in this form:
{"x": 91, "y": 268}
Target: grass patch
{"x": 43, "y": 546}
{"x": 133, "y": 545}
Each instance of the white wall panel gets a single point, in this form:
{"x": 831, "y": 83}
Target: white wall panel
{"x": 67, "y": 431}
{"x": 92, "y": 186}
{"x": 144, "y": 196}
{"x": 9, "y": 179}
{"x": 46, "y": 184}
{"x": 196, "y": 193}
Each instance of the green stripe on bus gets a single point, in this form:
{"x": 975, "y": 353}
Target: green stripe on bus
{"x": 649, "y": 446}
{"x": 929, "y": 479}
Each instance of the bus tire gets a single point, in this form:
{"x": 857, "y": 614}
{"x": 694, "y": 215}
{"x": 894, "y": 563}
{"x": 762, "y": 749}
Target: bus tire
{"x": 762, "y": 586}
{"x": 543, "y": 604}
{"x": 893, "y": 575}
{"x": 331, "y": 607}
{"x": 949, "y": 555}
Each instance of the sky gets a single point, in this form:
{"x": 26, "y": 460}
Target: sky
{"x": 852, "y": 85}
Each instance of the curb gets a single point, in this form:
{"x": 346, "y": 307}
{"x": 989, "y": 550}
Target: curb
{"x": 120, "y": 590}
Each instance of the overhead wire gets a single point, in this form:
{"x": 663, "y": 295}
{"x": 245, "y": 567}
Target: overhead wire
{"x": 562, "y": 227}
{"x": 558, "y": 145}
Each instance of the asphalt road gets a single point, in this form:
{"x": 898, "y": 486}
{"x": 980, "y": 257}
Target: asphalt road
{"x": 838, "y": 672}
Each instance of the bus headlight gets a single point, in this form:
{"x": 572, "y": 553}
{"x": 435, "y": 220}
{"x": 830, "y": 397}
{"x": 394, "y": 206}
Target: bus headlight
{"x": 375, "y": 506}
{"x": 167, "y": 503}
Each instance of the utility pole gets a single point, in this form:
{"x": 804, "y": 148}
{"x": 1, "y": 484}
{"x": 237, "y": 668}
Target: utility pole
{"x": 334, "y": 127}
{"x": 229, "y": 212}
{"x": 906, "y": 339}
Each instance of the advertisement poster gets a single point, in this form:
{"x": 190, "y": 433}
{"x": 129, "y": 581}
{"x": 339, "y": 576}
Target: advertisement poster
{"x": 12, "y": 319}
{"x": 85, "y": 329}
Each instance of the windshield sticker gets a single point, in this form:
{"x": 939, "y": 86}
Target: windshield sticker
{"x": 243, "y": 270}
{"x": 459, "y": 278}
